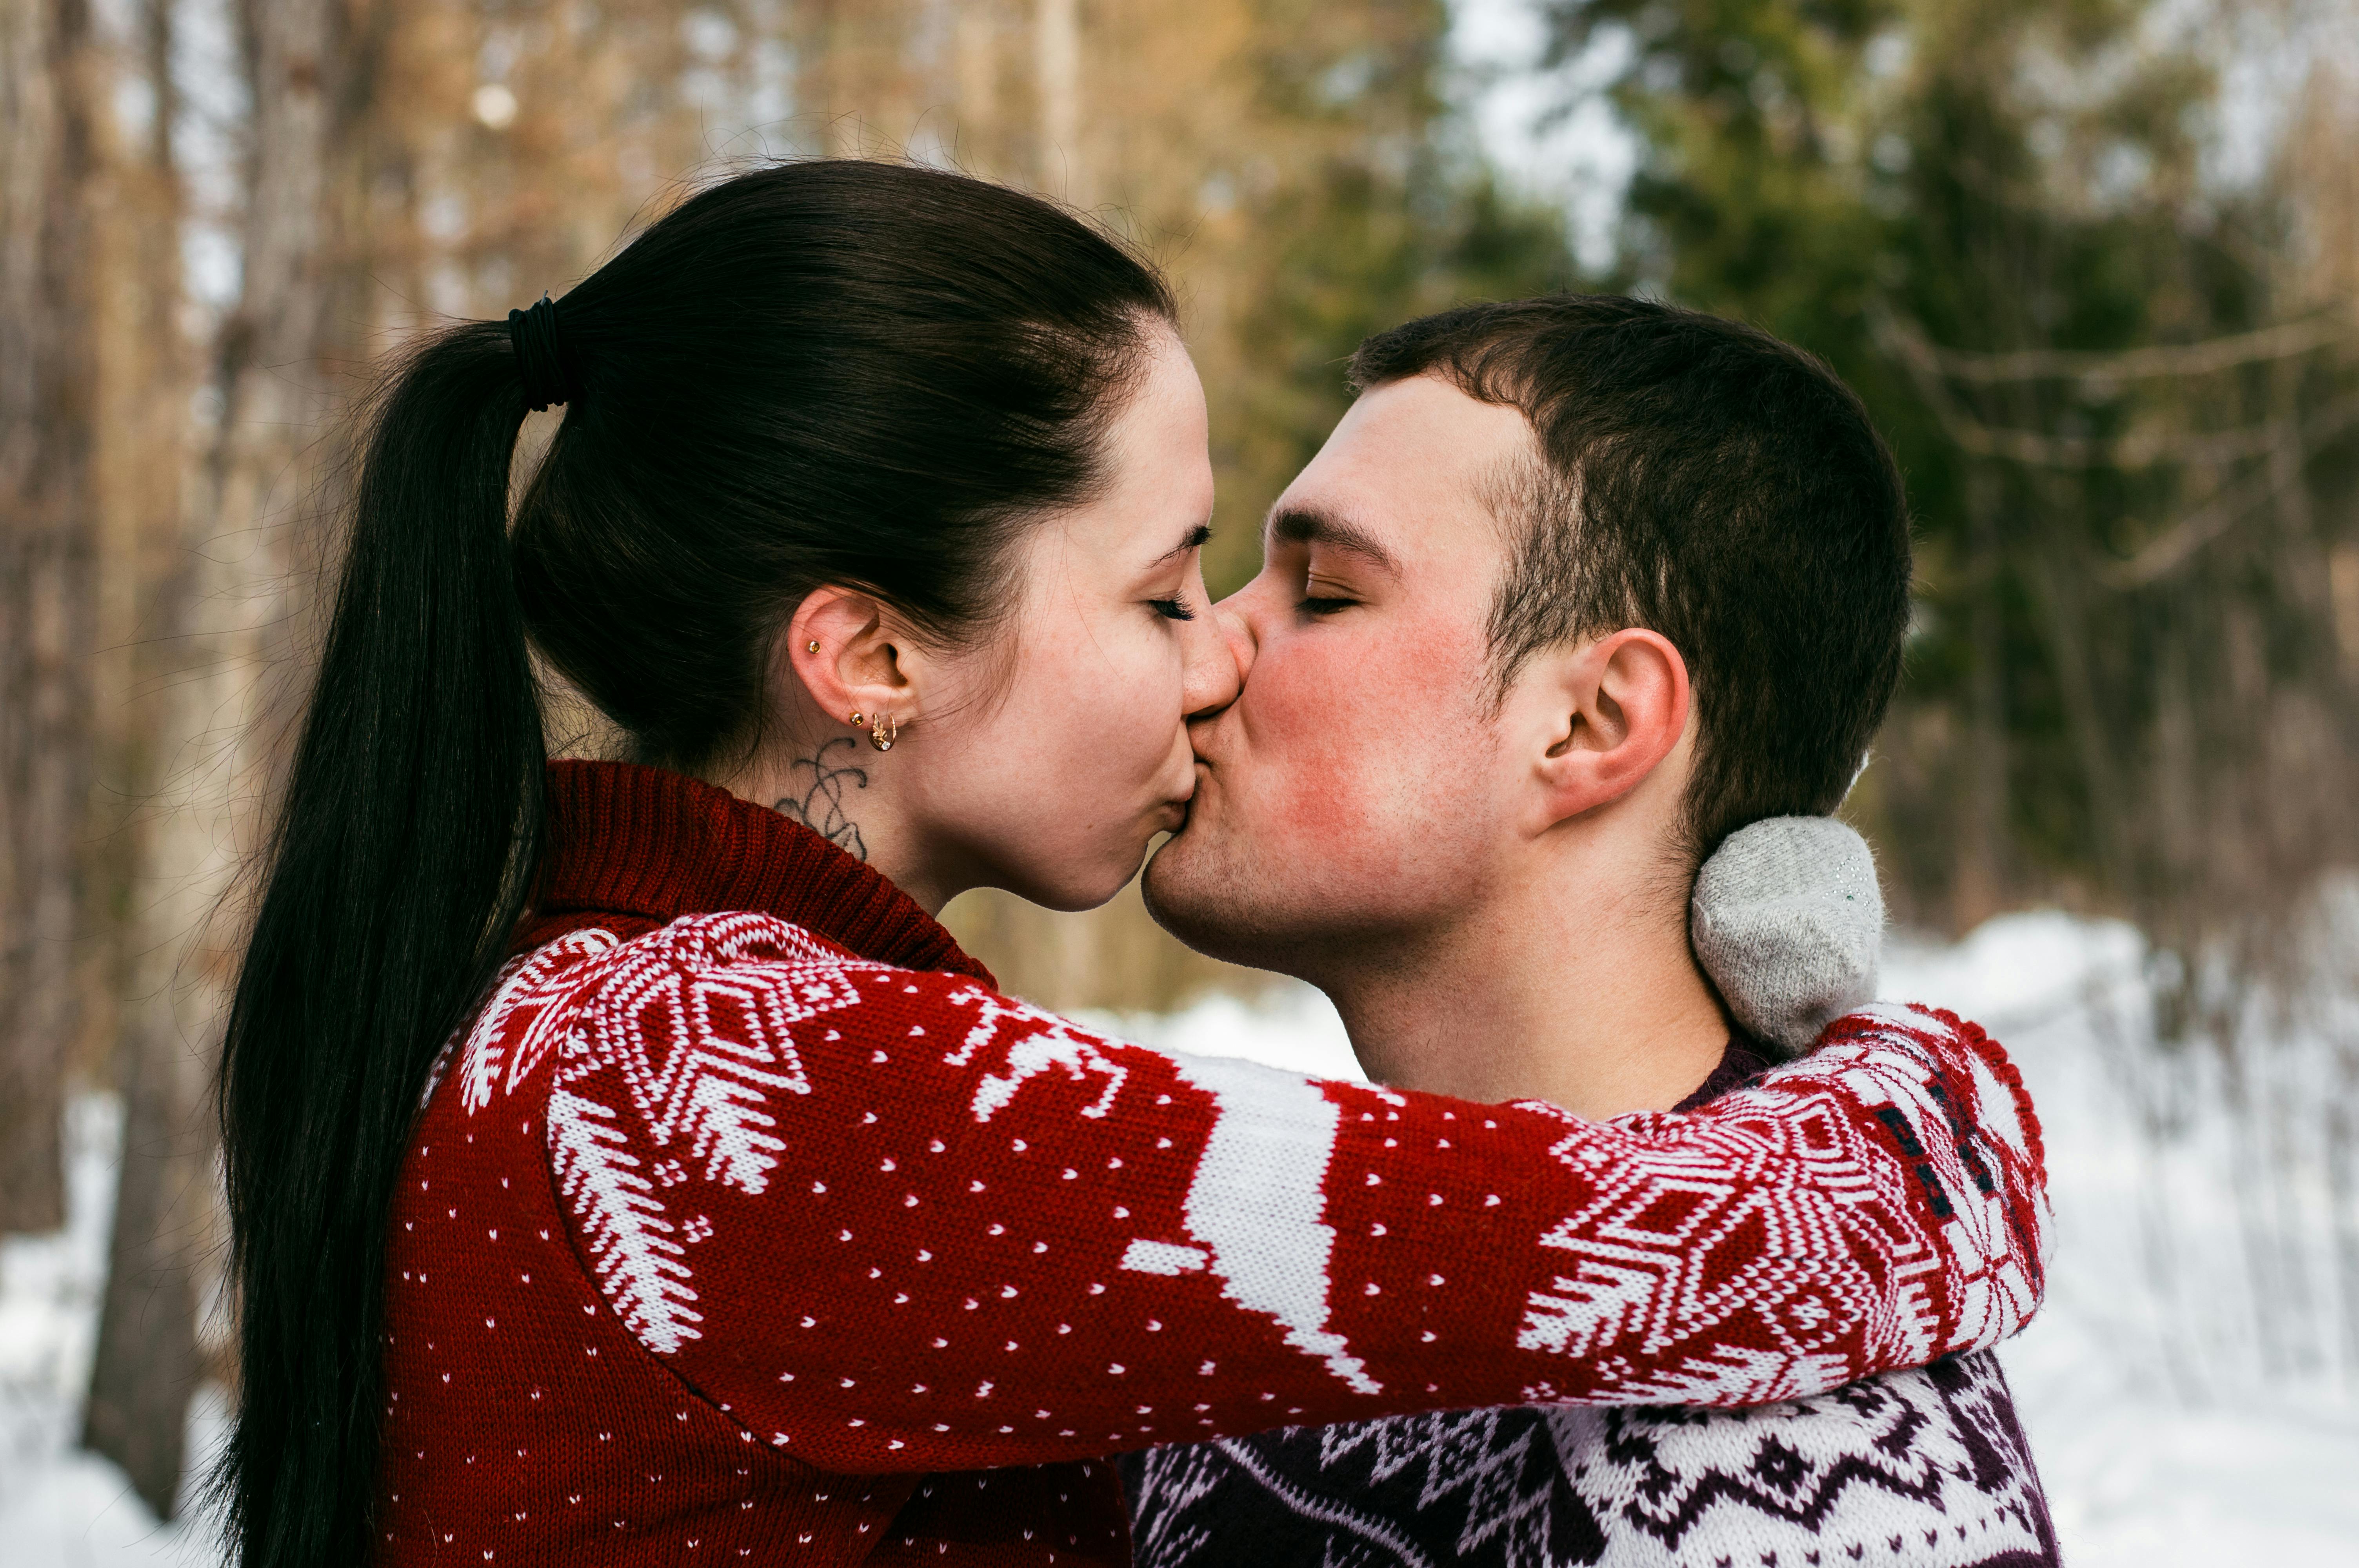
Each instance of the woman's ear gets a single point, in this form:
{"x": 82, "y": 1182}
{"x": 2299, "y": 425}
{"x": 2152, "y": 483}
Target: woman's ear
{"x": 1614, "y": 709}
{"x": 849, "y": 657}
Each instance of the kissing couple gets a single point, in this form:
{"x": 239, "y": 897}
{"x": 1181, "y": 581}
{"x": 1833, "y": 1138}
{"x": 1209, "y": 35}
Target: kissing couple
{"x": 626, "y": 1167}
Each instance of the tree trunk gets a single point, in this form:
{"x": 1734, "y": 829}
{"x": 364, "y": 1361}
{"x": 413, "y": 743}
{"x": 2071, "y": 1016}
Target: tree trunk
{"x": 148, "y": 1357}
{"x": 2055, "y": 574}
{"x": 1056, "y": 44}
{"x": 147, "y": 1364}
{"x": 229, "y": 606}
{"x": 48, "y": 582}
{"x": 1978, "y": 886}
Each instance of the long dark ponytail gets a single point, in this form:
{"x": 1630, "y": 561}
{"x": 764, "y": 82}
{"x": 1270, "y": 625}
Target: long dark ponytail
{"x": 830, "y": 371}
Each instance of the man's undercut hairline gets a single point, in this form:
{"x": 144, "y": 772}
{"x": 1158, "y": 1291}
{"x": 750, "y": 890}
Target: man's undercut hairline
{"x": 1524, "y": 494}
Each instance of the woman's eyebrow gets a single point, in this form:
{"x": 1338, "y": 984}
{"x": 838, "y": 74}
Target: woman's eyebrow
{"x": 1195, "y": 539}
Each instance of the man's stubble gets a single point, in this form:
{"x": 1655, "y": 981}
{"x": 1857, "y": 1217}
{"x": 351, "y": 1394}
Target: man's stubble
{"x": 1273, "y": 901}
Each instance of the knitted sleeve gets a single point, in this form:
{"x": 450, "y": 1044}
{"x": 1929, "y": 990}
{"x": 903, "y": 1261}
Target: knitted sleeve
{"x": 891, "y": 1220}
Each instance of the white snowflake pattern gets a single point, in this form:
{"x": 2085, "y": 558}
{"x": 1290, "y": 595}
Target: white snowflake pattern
{"x": 1671, "y": 1246}
{"x": 699, "y": 1020}
{"x": 629, "y": 1239}
{"x": 534, "y": 989}
{"x": 694, "y": 1022}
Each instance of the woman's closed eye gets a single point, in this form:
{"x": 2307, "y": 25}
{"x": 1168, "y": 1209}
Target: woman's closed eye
{"x": 1173, "y": 609}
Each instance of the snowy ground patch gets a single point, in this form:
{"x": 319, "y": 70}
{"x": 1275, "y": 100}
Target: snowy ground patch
{"x": 2161, "y": 1438}
{"x": 60, "y": 1506}
{"x": 2160, "y": 1444}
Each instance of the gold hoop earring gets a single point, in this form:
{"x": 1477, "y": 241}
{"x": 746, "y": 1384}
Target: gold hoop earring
{"x": 881, "y": 733}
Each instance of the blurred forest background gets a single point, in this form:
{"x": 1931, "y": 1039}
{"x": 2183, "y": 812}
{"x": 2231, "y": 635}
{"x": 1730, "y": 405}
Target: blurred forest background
{"x": 2095, "y": 264}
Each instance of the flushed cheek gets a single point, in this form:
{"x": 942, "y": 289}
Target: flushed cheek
{"x": 1363, "y": 840}
{"x": 1321, "y": 797}
{"x": 1345, "y": 739}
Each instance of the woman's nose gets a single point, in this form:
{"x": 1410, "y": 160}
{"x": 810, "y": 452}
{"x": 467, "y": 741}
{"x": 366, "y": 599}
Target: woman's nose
{"x": 1217, "y": 665}
{"x": 1237, "y": 632}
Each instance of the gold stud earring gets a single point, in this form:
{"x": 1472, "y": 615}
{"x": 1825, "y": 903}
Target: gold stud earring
{"x": 858, "y": 719}
{"x": 881, "y": 733}
{"x": 813, "y": 647}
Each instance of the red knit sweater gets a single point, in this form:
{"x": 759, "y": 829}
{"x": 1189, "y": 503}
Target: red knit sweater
{"x": 749, "y": 1222}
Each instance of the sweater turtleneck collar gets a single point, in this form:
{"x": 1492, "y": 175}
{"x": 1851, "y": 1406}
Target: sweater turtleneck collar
{"x": 638, "y": 841}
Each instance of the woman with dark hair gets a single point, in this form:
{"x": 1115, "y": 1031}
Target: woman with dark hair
{"x": 624, "y": 1166}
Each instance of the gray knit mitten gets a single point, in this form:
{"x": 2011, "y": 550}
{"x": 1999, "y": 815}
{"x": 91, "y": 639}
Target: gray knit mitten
{"x": 1788, "y": 921}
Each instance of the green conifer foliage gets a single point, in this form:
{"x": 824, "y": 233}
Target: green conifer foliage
{"x": 1994, "y": 218}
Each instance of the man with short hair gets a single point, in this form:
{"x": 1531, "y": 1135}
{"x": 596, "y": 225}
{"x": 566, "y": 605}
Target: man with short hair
{"x": 1578, "y": 587}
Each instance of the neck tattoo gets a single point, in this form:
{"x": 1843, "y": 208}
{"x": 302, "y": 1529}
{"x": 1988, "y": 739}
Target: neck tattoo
{"x": 821, "y": 807}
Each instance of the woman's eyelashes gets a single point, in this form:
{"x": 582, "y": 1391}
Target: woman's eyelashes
{"x": 1174, "y": 608}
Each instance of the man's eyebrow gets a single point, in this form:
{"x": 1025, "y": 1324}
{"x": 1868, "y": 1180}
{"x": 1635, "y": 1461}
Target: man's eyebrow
{"x": 1307, "y": 526}
{"x": 1196, "y": 537}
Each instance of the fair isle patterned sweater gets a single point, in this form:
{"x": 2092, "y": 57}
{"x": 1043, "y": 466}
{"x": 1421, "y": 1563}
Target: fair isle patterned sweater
{"x": 749, "y": 1222}
{"x": 1921, "y": 1468}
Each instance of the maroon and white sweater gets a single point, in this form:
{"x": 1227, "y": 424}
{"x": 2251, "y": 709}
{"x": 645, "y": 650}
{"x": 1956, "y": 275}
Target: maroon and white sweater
{"x": 1926, "y": 1466}
{"x": 748, "y": 1221}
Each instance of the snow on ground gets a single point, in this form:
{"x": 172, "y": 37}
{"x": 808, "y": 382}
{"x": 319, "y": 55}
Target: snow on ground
{"x": 2158, "y": 1450}
{"x": 2158, "y": 1443}
{"x": 60, "y": 1507}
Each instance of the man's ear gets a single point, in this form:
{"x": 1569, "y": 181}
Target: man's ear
{"x": 848, "y": 654}
{"x": 1608, "y": 712}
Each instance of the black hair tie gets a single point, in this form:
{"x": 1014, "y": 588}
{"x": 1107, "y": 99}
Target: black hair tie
{"x": 547, "y": 368}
